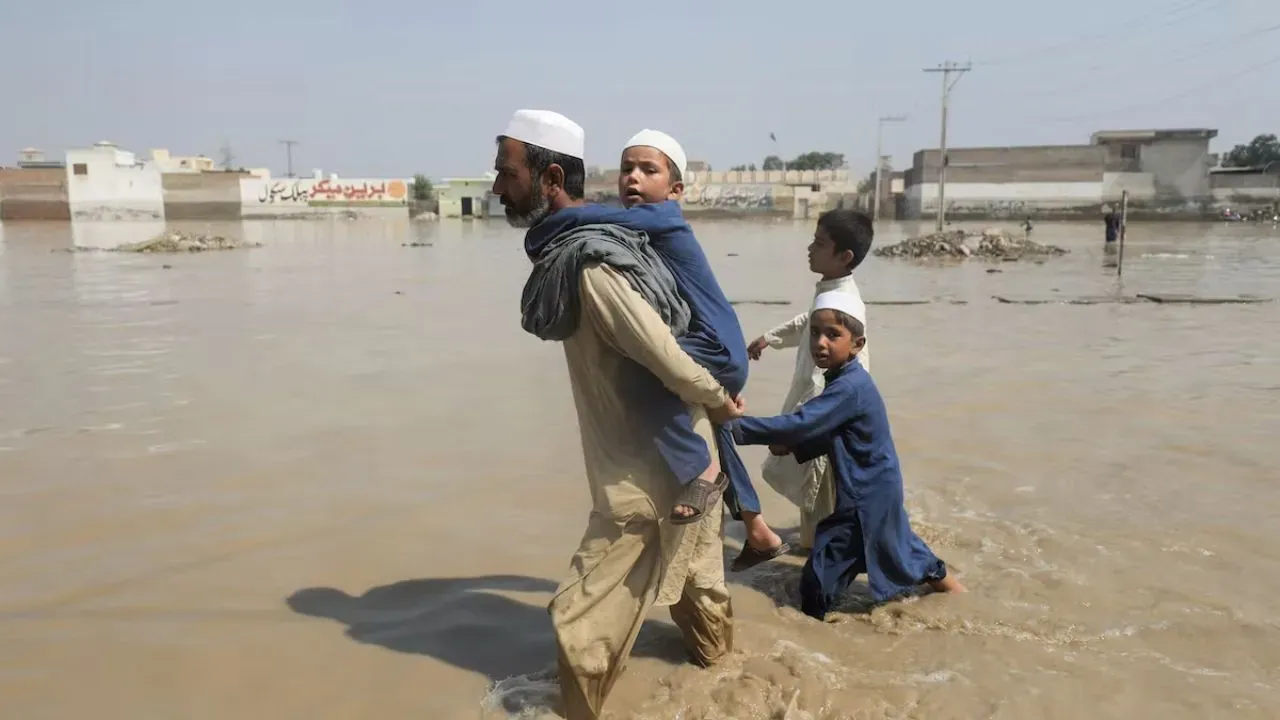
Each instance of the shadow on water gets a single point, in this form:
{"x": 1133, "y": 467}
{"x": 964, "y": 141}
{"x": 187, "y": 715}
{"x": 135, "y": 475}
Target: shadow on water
{"x": 779, "y": 579}
{"x": 464, "y": 622}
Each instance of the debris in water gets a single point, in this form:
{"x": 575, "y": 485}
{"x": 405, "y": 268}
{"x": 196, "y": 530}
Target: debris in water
{"x": 1196, "y": 300}
{"x": 993, "y": 243}
{"x": 175, "y": 241}
{"x": 415, "y": 244}
{"x": 104, "y": 212}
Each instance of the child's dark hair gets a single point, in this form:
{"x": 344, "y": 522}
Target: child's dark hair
{"x": 849, "y": 230}
{"x": 851, "y": 323}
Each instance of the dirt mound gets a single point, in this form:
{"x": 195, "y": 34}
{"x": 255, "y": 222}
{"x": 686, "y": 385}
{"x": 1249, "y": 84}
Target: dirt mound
{"x": 994, "y": 244}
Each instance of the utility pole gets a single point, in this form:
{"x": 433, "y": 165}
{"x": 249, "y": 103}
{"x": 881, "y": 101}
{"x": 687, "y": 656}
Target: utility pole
{"x": 288, "y": 150}
{"x": 946, "y": 68}
{"x": 875, "y": 201}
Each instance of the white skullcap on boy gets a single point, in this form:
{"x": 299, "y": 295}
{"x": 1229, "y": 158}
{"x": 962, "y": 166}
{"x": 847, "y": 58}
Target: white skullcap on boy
{"x": 662, "y": 141}
{"x": 846, "y": 303}
{"x": 549, "y": 130}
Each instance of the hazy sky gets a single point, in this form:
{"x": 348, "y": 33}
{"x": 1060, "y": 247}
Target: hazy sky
{"x": 403, "y": 86}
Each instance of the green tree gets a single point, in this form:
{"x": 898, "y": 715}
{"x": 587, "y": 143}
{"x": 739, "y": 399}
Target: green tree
{"x": 738, "y": 168}
{"x": 868, "y": 184}
{"x": 772, "y": 162}
{"x": 1260, "y": 151}
{"x": 817, "y": 161}
{"x": 422, "y": 190}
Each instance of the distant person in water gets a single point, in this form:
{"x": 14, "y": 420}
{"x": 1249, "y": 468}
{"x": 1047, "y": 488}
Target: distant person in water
{"x": 869, "y": 532}
{"x": 1112, "y": 223}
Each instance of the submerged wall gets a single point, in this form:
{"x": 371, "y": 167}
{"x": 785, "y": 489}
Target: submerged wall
{"x": 34, "y": 194}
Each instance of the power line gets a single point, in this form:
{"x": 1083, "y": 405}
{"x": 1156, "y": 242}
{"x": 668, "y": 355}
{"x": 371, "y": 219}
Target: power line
{"x": 1173, "y": 16}
{"x": 1194, "y": 53}
{"x": 1215, "y": 80}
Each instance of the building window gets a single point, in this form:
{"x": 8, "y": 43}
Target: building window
{"x": 80, "y": 168}
{"x": 1128, "y": 152}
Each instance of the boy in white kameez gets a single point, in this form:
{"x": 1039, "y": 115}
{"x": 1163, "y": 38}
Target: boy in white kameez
{"x": 841, "y": 242}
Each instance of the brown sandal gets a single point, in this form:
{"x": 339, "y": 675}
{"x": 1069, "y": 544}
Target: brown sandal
{"x": 698, "y": 495}
{"x": 751, "y": 557}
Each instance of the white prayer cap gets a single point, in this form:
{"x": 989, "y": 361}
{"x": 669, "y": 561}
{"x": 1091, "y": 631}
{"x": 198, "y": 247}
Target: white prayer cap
{"x": 846, "y": 303}
{"x": 549, "y": 130}
{"x": 662, "y": 141}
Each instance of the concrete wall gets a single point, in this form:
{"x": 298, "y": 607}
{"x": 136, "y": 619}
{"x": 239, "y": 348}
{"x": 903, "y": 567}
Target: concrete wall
{"x": 202, "y": 196}
{"x": 34, "y": 194}
{"x": 1245, "y": 188}
{"x": 1034, "y": 164}
{"x": 765, "y": 177}
{"x": 1005, "y": 199}
{"x": 801, "y": 194}
{"x": 1141, "y": 187}
{"x": 1179, "y": 169}
{"x": 104, "y": 182}
{"x": 452, "y": 191}
{"x": 267, "y": 197}
{"x": 1163, "y": 172}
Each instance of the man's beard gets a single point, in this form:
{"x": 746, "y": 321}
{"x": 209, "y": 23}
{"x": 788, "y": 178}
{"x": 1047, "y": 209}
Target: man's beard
{"x": 534, "y": 215}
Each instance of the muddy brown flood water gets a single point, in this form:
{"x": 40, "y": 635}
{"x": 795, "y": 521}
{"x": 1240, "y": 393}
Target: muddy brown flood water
{"x": 331, "y": 478}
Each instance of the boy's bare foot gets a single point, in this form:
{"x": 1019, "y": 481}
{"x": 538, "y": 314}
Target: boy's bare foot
{"x": 948, "y": 584}
{"x": 763, "y": 544}
{"x": 759, "y": 535}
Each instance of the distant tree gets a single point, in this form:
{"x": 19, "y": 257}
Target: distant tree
{"x": 868, "y": 184}
{"x": 1260, "y": 151}
{"x": 738, "y": 168}
{"x": 422, "y": 190}
{"x": 817, "y": 161}
{"x": 752, "y": 167}
{"x": 808, "y": 161}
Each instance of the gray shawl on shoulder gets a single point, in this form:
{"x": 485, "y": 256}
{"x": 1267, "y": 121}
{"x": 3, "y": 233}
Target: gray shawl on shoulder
{"x": 551, "y": 303}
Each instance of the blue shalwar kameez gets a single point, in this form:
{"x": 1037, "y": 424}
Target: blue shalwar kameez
{"x": 714, "y": 339}
{"x": 869, "y": 532}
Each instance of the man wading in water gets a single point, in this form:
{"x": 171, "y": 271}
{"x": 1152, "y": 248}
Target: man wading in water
{"x": 607, "y": 297}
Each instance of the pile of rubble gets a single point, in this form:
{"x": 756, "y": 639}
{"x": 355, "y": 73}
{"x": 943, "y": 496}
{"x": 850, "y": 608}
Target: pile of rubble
{"x": 1002, "y": 245}
{"x": 934, "y": 245}
{"x": 176, "y": 241}
{"x": 994, "y": 244}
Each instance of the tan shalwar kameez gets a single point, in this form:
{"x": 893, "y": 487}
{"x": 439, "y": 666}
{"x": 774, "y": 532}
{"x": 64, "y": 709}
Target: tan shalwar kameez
{"x": 631, "y": 557}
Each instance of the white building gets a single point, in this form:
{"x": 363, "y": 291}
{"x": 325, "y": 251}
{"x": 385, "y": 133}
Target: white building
{"x": 167, "y": 163}
{"x": 106, "y": 182}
